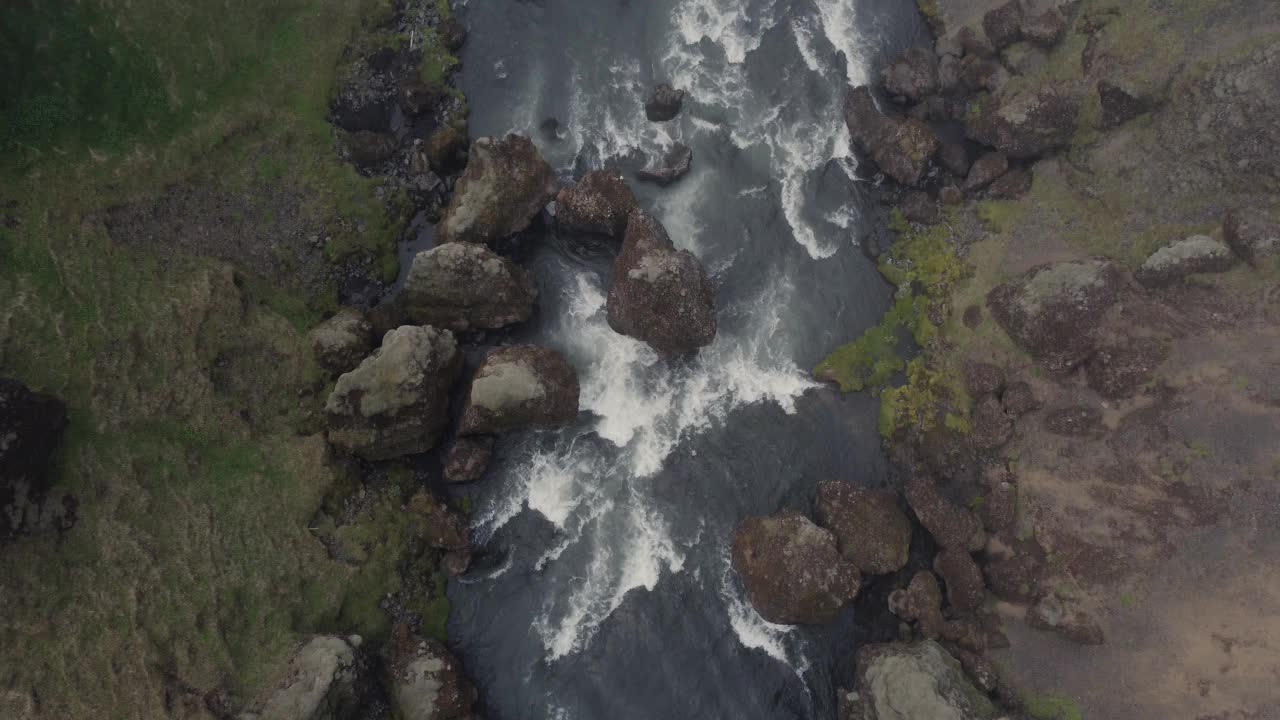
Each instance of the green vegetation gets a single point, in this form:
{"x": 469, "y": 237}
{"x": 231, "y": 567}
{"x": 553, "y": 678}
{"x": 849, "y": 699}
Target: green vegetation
{"x": 1051, "y": 706}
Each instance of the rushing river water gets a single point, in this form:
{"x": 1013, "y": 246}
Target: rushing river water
{"x": 603, "y": 590}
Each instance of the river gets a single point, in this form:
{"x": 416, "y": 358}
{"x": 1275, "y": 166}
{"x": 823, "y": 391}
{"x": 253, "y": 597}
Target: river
{"x": 602, "y": 588}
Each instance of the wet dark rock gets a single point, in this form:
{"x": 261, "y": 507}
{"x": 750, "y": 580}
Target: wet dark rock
{"x": 1075, "y": 421}
{"x": 917, "y": 681}
{"x": 1045, "y": 29}
{"x": 918, "y": 207}
{"x": 1118, "y": 369}
{"x": 355, "y": 113}
{"x": 948, "y": 74}
{"x": 674, "y": 165}
{"x": 962, "y": 578}
{"x": 792, "y": 570}
{"x": 452, "y": 33}
{"x": 600, "y": 203}
{"x": 427, "y": 682}
{"x": 342, "y": 341}
{"x": 871, "y": 531}
{"x": 660, "y": 295}
{"x": 418, "y": 96}
{"x": 1071, "y": 623}
{"x": 983, "y": 378}
{"x": 551, "y": 130}
{"x": 920, "y": 602}
{"x": 31, "y": 427}
{"x": 992, "y": 427}
{"x": 1253, "y": 236}
{"x": 901, "y": 147}
{"x": 468, "y": 458}
{"x": 1003, "y": 25}
{"x": 955, "y": 158}
{"x": 1118, "y": 106}
{"x": 664, "y": 103}
{"x": 1011, "y": 185}
{"x": 952, "y": 526}
{"x": 396, "y": 402}
{"x": 1052, "y": 310}
{"x": 986, "y": 170}
{"x": 369, "y": 149}
{"x": 447, "y": 150}
{"x": 1025, "y": 124}
{"x": 913, "y": 75}
{"x": 999, "y": 512}
{"x": 520, "y": 387}
{"x": 465, "y": 286}
{"x": 1019, "y": 399}
{"x": 980, "y": 670}
{"x": 504, "y": 187}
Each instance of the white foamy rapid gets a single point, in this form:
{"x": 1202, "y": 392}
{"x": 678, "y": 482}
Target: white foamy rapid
{"x": 591, "y": 483}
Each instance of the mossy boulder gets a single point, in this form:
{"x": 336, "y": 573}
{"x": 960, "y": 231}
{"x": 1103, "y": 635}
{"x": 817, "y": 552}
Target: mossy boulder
{"x": 791, "y": 569}
{"x": 342, "y": 341}
{"x": 465, "y": 286}
{"x": 1196, "y": 254}
{"x": 871, "y": 531}
{"x": 918, "y": 681}
{"x": 504, "y": 187}
{"x": 520, "y": 387}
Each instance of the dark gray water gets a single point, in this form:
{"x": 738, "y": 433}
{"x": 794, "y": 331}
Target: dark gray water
{"x": 604, "y": 589}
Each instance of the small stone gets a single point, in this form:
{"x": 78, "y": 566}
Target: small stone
{"x": 674, "y": 165}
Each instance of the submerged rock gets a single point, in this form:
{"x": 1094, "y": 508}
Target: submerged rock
{"x": 901, "y": 147}
{"x": 396, "y": 402}
{"x": 871, "y": 531}
{"x": 342, "y": 341}
{"x": 31, "y": 426}
{"x": 1025, "y": 124}
{"x": 674, "y": 165}
{"x": 468, "y": 458}
{"x": 427, "y": 682}
{"x": 791, "y": 569}
{"x": 913, "y": 75}
{"x": 664, "y": 103}
{"x": 504, "y": 187}
{"x": 600, "y": 203}
{"x": 1052, "y": 310}
{"x": 1252, "y": 235}
{"x": 1196, "y": 254}
{"x": 660, "y": 295}
{"x": 464, "y": 286}
{"x": 320, "y": 683}
{"x": 917, "y": 681}
{"x": 520, "y": 387}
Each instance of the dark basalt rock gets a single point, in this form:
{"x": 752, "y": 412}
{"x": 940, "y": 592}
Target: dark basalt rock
{"x": 870, "y": 530}
{"x": 1016, "y": 574}
{"x": 520, "y": 387}
{"x": 983, "y": 379}
{"x": 370, "y": 149}
{"x": 504, "y": 187}
{"x": 1118, "y": 106}
{"x": 955, "y": 159}
{"x": 342, "y": 341}
{"x": 664, "y": 103}
{"x": 962, "y": 578}
{"x": 674, "y": 165}
{"x": 901, "y": 147}
{"x": 1071, "y": 623}
{"x": 465, "y": 286}
{"x": 791, "y": 569}
{"x": 912, "y": 76}
{"x": 1025, "y": 124}
{"x": 1019, "y": 399}
{"x": 1045, "y": 29}
{"x": 452, "y": 33}
{"x": 31, "y": 427}
{"x": 1011, "y": 185}
{"x": 918, "y": 207}
{"x": 992, "y": 427}
{"x": 468, "y": 458}
{"x": 1003, "y": 25}
{"x": 447, "y": 150}
{"x": 952, "y": 526}
{"x": 1117, "y": 370}
{"x": 418, "y": 96}
{"x": 600, "y": 203}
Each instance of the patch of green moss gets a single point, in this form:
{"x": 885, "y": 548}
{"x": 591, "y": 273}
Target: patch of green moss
{"x": 999, "y": 215}
{"x": 1051, "y": 706}
{"x": 933, "y": 393}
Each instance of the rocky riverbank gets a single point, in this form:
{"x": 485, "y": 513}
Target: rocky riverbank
{"x": 1086, "y": 427}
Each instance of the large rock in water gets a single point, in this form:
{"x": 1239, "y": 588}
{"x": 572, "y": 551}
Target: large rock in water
{"x": 427, "y": 682}
{"x": 320, "y": 684}
{"x": 901, "y": 147}
{"x": 520, "y": 387}
{"x": 505, "y": 186}
{"x": 871, "y": 531}
{"x": 660, "y": 295}
{"x": 1052, "y": 310}
{"x": 1025, "y": 124}
{"x": 791, "y": 569}
{"x": 599, "y": 203}
{"x": 397, "y": 401}
{"x": 31, "y": 426}
{"x": 664, "y": 104}
{"x": 918, "y": 681}
{"x": 672, "y": 166}
{"x": 464, "y": 286}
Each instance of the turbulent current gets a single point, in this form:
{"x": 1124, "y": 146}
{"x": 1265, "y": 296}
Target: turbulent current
{"x": 603, "y": 589}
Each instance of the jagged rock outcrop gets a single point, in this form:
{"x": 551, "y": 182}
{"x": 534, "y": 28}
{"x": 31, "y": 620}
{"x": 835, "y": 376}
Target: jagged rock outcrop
{"x": 671, "y": 167}
{"x": 504, "y": 187}
{"x": 1052, "y": 310}
{"x": 1196, "y": 254}
{"x": 660, "y": 295}
{"x": 342, "y": 341}
{"x": 427, "y": 682}
{"x": 396, "y": 402}
{"x": 468, "y": 458}
{"x": 520, "y": 387}
{"x": 465, "y": 286}
{"x": 871, "y": 531}
{"x": 916, "y": 681}
{"x": 320, "y": 683}
{"x": 31, "y": 426}
{"x": 791, "y": 569}
{"x": 901, "y": 147}
{"x": 912, "y": 76}
{"x": 664, "y": 103}
{"x": 1025, "y": 124}
{"x": 599, "y": 203}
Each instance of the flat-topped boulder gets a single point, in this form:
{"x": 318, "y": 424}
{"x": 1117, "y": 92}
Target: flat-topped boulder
{"x": 599, "y": 203}
{"x": 520, "y": 387}
{"x": 465, "y": 286}
{"x": 658, "y": 294}
{"x": 397, "y": 401}
{"x": 791, "y": 569}
{"x": 916, "y": 681}
{"x": 505, "y": 185}
{"x": 1196, "y": 254}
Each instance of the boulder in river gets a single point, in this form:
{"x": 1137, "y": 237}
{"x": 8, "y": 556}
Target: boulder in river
{"x": 871, "y": 531}
{"x": 664, "y": 103}
{"x": 396, "y": 402}
{"x": 1252, "y": 235}
{"x": 674, "y": 165}
{"x": 342, "y": 341}
{"x": 468, "y": 458}
{"x": 427, "y": 682}
{"x": 320, "y": 683}
{"x": 916, "y": 681}
{"x": 520, "y": 387}
{"x": 465, "y": 286}
{"x": 31, "y": 426}
{"x": 660, "y": 295}
{"x": 900, "y": 146}
{"x": 912, "y": 76}
{"x": 1027, "y": 123}
{"x": 1196, "y": 254}
{"x": 504, "y": 187}
{"x": 599, "y": 203}
{"x": 1052, "y": 310}
{"x": 791, "y": 569}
